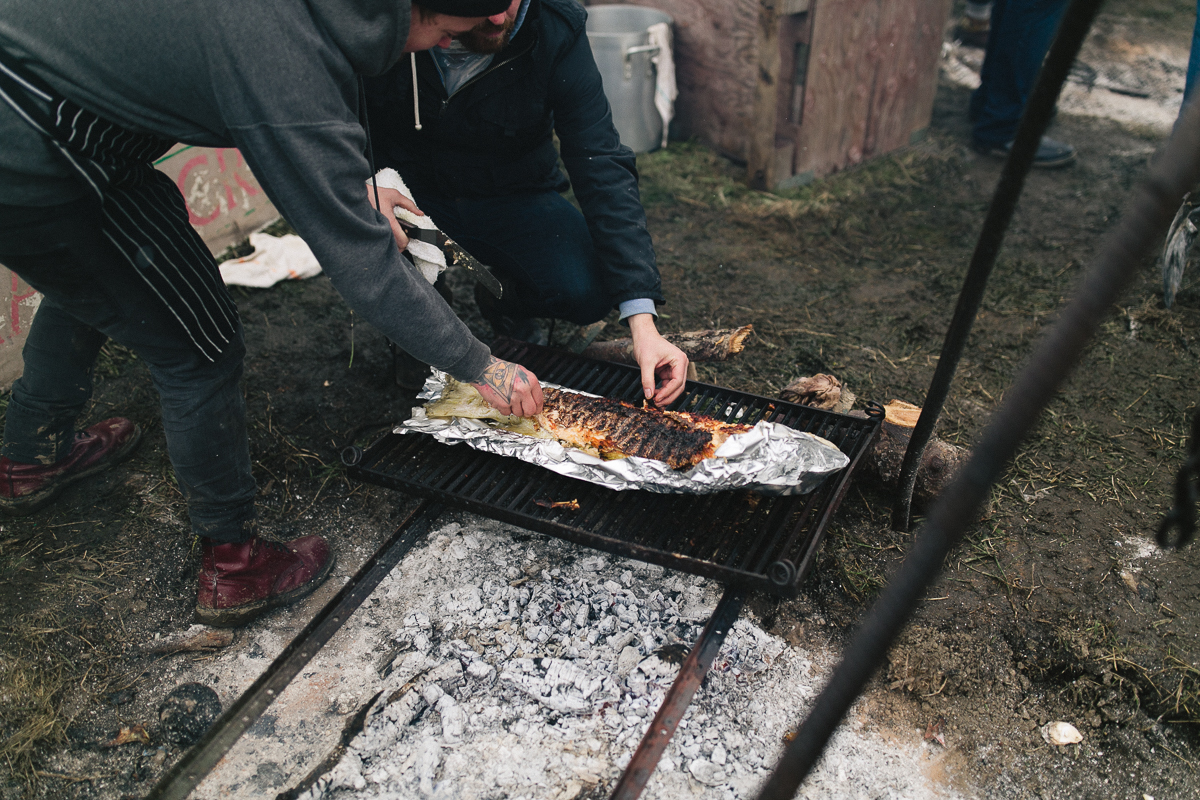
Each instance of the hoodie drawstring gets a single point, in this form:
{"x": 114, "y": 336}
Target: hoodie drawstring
{"x": 362, "y": 119}
{"x": 416, "y": 104}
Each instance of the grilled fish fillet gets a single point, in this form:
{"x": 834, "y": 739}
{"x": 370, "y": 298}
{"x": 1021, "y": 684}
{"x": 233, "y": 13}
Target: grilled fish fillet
{"x": 600, "y": 425}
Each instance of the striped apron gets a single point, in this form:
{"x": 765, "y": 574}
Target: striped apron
{"x": 143, "y": 212}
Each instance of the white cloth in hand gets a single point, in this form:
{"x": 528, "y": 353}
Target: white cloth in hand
{"x": 429, "y": 258}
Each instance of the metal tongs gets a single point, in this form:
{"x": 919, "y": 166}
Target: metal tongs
{"x": 461, "y": 257}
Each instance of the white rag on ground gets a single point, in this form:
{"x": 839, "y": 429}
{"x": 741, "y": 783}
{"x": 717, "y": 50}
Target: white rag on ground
{"x": 429, "y": 258}
{"x": 665, "y": 90}
{"x": 275, "y": 258}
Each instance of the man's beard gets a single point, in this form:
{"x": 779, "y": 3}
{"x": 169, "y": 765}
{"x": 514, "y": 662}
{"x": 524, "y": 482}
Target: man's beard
{"x": 476, "y": 42}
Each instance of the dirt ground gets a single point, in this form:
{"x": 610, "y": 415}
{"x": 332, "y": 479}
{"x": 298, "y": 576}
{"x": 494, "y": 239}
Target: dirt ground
{"x": 1057, "y": 606}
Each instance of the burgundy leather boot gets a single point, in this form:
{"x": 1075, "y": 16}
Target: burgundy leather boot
{"x": 24, "y": 488}
{"x": 240, "y": 581}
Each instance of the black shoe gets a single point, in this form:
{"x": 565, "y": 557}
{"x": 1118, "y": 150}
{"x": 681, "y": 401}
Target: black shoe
{"x": 523, "y": 329}
{"x": 1050, "y": 154}
{"x": 972, "y": 32}
{"x": 1180, "y": 236}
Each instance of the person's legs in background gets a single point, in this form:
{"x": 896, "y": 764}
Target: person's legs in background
{"x": 1193, "y": 67}
{"x": 90, "y": 294}
{"x": 1186, "y": 225}
{"x": 1019, "y": 36}
{"x": 973, "y": 25}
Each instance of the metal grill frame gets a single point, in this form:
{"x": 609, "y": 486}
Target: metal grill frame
{"x": 737, "y": 537}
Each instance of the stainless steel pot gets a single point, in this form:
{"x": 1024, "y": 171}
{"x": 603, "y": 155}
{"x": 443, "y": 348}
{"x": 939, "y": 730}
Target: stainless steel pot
{"x": 621, "y": 44}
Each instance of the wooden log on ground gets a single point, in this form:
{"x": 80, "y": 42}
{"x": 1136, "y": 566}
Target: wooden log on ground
{"x": 710, "y": 345}
{"x": 938, "y": 463}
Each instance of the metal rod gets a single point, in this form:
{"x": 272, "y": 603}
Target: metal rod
{"x": 179, "y": 781}
{"x": 679, "y": 697}
{"x": 1141, "y": 229}
{"x": 1038, "y": 111}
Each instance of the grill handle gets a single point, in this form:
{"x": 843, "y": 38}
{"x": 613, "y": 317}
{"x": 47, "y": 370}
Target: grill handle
{"x": 351, "y": 455}
{"x": 782, "y": 572}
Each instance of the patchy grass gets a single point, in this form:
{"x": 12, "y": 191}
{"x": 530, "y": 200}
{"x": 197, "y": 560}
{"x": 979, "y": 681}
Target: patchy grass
{"x": 34, "y": 683}
{"x": 690, "y": 174}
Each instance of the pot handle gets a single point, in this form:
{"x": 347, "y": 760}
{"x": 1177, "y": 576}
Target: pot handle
{"x": 645, "y": 48}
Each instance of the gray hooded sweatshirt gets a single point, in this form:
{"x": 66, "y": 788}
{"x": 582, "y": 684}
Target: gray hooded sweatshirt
{"x": 274, "y": 78}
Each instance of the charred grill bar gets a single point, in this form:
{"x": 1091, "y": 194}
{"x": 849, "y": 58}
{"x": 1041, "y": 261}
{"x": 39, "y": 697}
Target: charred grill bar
{"x": 740, "y": 538}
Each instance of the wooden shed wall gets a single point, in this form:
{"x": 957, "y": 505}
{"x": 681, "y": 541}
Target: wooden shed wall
{"x": 872, "y": 76}
{"x": 869, "y": 81}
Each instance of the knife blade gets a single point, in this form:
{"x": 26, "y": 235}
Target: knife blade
{"x": 461, "y": 257}
{"x": 478, "y": 271}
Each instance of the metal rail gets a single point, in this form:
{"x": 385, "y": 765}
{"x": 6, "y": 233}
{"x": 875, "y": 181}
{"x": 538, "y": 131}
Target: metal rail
{"x": 179, "y": 781}
{"x": 1140, "y": 231}
{"x": 679, "y": 697}
{"x": 1038, "y": 111}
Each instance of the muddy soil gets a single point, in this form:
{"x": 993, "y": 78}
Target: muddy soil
{"x": 1057, "y": 606}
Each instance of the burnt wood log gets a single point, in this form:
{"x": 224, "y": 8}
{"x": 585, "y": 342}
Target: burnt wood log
{"x": 709, "y": 345}
{"x": 938, "y": 464}
{"x": 883, "y": 460}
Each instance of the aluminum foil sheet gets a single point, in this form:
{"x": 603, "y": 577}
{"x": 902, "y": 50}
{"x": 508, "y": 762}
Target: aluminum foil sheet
{"x": 770, "y": 458}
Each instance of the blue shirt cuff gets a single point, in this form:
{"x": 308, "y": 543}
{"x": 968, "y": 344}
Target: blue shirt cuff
{"x": 643, "y": 305}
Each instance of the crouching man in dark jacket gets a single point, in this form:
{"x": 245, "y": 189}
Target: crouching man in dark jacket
{"x": 475, "y": 146}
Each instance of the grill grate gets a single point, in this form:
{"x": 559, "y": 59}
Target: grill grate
{"x": 737, "y": 537}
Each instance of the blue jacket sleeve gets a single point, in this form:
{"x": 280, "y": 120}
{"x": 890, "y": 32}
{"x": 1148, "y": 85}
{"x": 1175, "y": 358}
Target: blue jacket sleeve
{"x": 603, "y": 173}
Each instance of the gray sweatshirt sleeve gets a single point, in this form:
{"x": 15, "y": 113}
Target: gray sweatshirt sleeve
{"x": 316, "y": 175}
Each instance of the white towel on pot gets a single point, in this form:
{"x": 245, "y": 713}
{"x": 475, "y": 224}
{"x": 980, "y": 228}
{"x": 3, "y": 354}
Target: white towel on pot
{"x": 665, "y": 90}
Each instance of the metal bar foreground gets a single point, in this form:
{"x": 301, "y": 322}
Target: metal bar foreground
{"x": 1141, "y": 228}
{"x": 1074, "y": 28}
{"x": 181, "y": 779}
{"x": 679, "y": 697}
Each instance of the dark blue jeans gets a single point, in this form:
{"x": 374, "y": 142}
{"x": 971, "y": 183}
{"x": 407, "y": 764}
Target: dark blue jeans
{"x": 91, "y": 294}
{"x": 1193, "y": 67}
{"x": 537, "y": 244}
{"x": 1020, "y": 35}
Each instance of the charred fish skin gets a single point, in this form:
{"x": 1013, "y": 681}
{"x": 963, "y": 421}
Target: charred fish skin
{"x": 617, "y": 428}
{"x": 601, "y": 426}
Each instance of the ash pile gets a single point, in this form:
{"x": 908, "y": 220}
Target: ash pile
{"x": 535, "y": 667}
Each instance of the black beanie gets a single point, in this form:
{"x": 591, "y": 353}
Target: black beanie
{"x": 464, "y": 8}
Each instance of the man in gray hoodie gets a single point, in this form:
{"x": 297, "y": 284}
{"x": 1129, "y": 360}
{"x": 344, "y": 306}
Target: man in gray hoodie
{"x": 90, "y": 94}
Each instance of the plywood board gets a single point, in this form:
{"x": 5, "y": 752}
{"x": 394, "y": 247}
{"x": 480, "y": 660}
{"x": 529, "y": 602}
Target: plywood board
{"x": 841, "y": 82}
{"x": 870, "y": 79}
{"x": 761, "y": 161}
{"x": 910, "y": 37}
{"x": 18, "y": 304}
{"x": 225, "y": 203}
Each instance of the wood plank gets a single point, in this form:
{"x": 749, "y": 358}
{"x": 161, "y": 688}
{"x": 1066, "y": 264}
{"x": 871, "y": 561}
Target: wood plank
{"x": 910, "y": 35}
{"x": 761, "y": 161}
{"x": 841, "y": 73}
